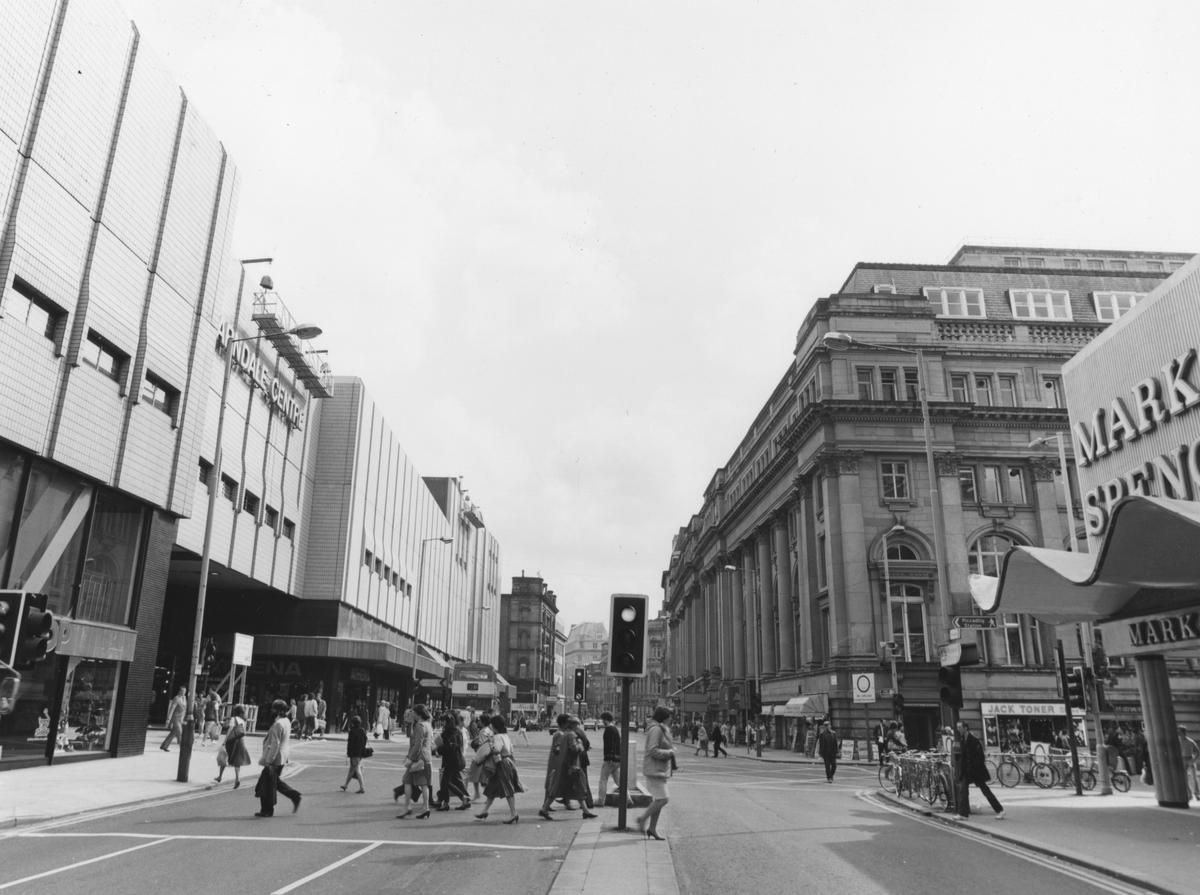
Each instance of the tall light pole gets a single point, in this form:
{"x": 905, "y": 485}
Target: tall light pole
{"x": 420, "y": 589}
{"x": 890, "y": 645}
{"x": 302, "y": 331}
{"x": 1085, "y": 628}
{"x": 839, "y": 341}
{"x": 757, "y": 655}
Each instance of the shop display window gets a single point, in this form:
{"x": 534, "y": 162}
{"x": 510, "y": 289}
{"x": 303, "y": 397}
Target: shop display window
{"x": 48, "y": 552}
{"x": 89, "y": 698}
{"x": 110, "y": 566}
{"x": 12, "y": 469}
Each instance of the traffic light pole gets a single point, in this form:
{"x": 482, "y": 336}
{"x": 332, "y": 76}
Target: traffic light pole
{"x": 623, "y": 796}
{"x": 1062, "y": 672}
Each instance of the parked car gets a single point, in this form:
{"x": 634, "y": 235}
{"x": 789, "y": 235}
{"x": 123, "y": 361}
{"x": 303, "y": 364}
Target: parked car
{"x": 591, "y": 724}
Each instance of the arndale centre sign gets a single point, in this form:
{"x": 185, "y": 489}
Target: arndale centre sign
{"x": 277, "y": 393}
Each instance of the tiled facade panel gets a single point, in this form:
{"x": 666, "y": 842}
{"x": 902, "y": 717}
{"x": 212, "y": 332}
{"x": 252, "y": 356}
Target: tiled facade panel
{"x": 224, "y": 272}
{"x": 168, "y": 335}
{"x": 83, "y": 98}
{"x": 27, "y": 357}
{"x": 333, "y": 498}
{"x": 143, "y": 160}
{"x": 194, "y": 191}
{"x": 53, "y": 231}
{"x": 26, "y": 26}
{"x": 8, "y": 165}
{"x": 145, "y": 466}
{"x": 116, "y": 288}
{"x": 89, "y": 432}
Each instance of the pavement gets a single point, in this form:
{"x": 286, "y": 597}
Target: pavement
{"x": 1127, "y": 837}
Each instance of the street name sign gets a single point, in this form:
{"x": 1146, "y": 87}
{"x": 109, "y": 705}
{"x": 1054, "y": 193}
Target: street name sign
{"x": 975, "y": 621}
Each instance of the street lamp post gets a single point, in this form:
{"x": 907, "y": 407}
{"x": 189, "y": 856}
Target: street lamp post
{"x": 887, "y": 596}
{"x": 417, "y": 620}
{"x": 757, "y": 656}
{"x": 303, "y": 331}
{"x": 839, "y": 341}
{"x": 1085, "y": 628}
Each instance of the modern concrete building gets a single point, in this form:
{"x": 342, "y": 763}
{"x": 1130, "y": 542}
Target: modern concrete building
{"x": 836, "y": 527}
{"x": 528, "y": 645}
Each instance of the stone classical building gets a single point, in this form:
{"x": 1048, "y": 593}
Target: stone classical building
{"x": 528, "y": 645}
{"x": 838, "y": 536}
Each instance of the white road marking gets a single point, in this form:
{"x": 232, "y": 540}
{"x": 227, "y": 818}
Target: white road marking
{"x": 334, "y": 866}
{"x": 306, "y": 840}
{"x": 77, "y": 864}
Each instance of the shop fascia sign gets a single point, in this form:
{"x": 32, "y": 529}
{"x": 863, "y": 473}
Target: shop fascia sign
{"x": 1152, "y": 402}
{"x": 1025, "y": 709}
{"x": 257, "y": 372}
{"x": 1152, "y": 633}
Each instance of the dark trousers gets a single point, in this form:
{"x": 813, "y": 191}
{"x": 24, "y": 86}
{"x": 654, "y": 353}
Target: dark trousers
{"x": 268, "y": 785}
{"x": 452, "y": 785}
{"x": 718, "y": 749}
{"x": 964, "y": 801}
{"x": 830, "y": 766}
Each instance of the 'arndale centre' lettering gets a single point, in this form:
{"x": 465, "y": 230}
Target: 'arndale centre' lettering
{"x": 1155, "y": 400}
{"x": 276, "y": 393}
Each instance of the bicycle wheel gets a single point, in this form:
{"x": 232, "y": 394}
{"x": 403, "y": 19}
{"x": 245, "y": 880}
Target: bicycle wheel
{"x": 993, "y": 769}
{"x": 939, "y": 788}
{"x": 1008, "y": 774}
{"x": 1087, "y": 777}
{"x": 887, "y": 777}
{"x": 1044, "y": 775}
{"x": 1120, "y": 781}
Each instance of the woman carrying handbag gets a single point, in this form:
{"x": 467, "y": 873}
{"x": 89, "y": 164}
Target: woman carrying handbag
{"x": 418, "y": 774}
{"x": 234, "y": 746}
{"x": 356, "y": 750}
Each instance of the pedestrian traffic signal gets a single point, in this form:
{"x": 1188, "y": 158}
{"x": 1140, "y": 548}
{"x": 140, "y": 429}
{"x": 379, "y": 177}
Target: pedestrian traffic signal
{"x": 580, "y": 684}
{"x": 627, "y": 656}
{"x": 950, "y": 686}
{"x": 34, "y": 624}
{"x": 210, "y": 653}
{"x": 1075, "y": 688}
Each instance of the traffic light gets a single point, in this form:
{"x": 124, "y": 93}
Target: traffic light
{"x": 627, "y": 657}
{"x": 898, "y": 705}
{"x": 10, "y": 616}
{"x": 950, "y": 686}
{"x": 755, "y": 700}
{"x": 580, "y": 684}
{"x": 34, "y": 624}
{"x": 210, "y": 653}
{"x": 1075, "y": 688}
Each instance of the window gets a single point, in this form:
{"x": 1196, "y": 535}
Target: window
{"x": 1111, "y": 305}
{"x": 821, "y": 578}
{"x": 1117, "y": 264}
{"x": 819, "y": 493}
{"x": 158, "y": 394}
{"x": 986, "y": 553}
{"x": 959, "y": 389}
{"x": 100, "y": 353}
{"x": 1155, "y": 266}
{"x": 1012, "y": 261}
{"x": 289, "y": 528}
{"x": 889, "y": 385}
{"x": 1053, "y": 388}
{"x": 26, "y": 305}
{"x": 1095, "y": 264}
{"x": 205, "y": 470}
{"x": 271, "y": 517}
{"x": 1071, "y": 263}
{"x": 378, "y": 566}
{"x": 397, "y": 581}
{"x": 884, "y": 289}
{"x": 1035, "y": 262}
{"x": 968, "y": 486}
{"x": 894, "y": 474}
{"x": 368, "y": 558}
{"x": 1007, "y": 390}
{"x": 865, "y": 377}
{"x": 992, "y": 493}
{"x": 387, "y": 573}
{"x": 1016, "y": 485}
{"x": 983, "y": 390}
{"x": 1040, "y": 304}
{"x": 228, "y": 488}
{"x": 912, "y": 384}
{"x": 250, "y": 503}
{"x": 906, "y": 615}
{"x": 956, "y": 302}
{"x": 900, "y": 384}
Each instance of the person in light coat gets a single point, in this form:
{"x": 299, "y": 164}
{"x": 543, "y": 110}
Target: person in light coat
{"x": 656, "y": 768}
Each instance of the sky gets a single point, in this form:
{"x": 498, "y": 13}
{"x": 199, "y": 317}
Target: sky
{"x": 568, "y": 246}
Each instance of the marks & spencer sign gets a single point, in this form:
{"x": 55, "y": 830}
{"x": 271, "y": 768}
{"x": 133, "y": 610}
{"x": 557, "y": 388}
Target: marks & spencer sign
{"x": 1152, "y": 633}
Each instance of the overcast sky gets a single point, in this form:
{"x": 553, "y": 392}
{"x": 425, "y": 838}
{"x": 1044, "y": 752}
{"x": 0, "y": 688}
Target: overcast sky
{"x": 568, "y": 245}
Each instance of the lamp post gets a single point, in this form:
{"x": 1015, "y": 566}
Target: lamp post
{"x": 420, "y": 589}
{"x": 303, "y": 331}
{"x": 887, "y": 595}
{"x": 757, "y": 656}
{"x": 477, "y": 645}
{"x": 1085, "y": 628}
{"x": 839, "y": 341}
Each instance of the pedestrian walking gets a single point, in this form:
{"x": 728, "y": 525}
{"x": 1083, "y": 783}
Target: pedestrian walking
{"x": 310, "y": 715}
{"x": 702, "y": 741}
{"x": 503, "y": 783}
{"x": 356, "y": 750}
{"x": 383, "y": 721}
{"x": 585, "y": 762}
{"x": 749, "y": 737}
{"x": 564, "y": 777}
{"x": 659, "y": 751}
{"x": 828, "y": 747}
{"x": 480, "y": 769}
{"x": 418, "y": 771}
{"x": 879, "y": 734}
{"x": 321, "y": 721}
{"x": 212, "y": 711}
{"x": 409, "y": 717}
{"x": 718, "y": 737}
{"x": 521, "y": 725}
{"x": 274, "y": 756}
{"x": 176, "y": 709}
{"x": 972, "y": 768}
{"x": 611, "y": 766}
{"x": 449, "y": 746}
{"x": 234, "y": 746}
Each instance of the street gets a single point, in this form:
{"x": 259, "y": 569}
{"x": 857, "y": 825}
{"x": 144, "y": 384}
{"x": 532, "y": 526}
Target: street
{"x": 733, "y": 826}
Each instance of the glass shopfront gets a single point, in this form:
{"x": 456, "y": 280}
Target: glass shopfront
{"x": 1028, "y": 727}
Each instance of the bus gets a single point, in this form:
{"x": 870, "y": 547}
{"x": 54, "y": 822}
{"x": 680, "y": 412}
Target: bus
{"x": 477, "y": 686}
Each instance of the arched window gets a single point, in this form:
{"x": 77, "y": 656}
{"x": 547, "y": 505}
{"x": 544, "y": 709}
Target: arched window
{"x": 1018, "y": 641}
{"x": 897, "y": 550}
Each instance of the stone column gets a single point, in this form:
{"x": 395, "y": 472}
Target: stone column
{"x": 766, "y": 603}
{"x": 783, "y": 596}
{"x": 712, "y": 600}
{"x": 805, "y": 544}
{"x": 737, "y": 632}
{"x": 1162, "y": 733}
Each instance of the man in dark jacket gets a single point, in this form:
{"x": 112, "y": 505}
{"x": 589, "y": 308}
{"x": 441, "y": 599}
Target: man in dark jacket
{"x": 972, "y": 769}
{"x": 611, "y": 768}
{"x": 828, "y": 748}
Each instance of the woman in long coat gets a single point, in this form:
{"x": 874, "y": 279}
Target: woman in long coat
{"x": 451, "y": 750}
{"x": 503, "y": 783}
{"x": 564, "y": 777}
{"x": 418, "y": 766}
{"x": 656, "y": 768}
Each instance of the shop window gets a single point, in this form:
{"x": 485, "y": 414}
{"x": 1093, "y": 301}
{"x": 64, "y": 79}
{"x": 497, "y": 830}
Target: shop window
{"x": 26, "y": 305}
{"x": 250, "y": 503}
{"x": 111, "y": 562}
{"x": 289, "y": 528}
{"x": 90, "y": 697}
{"x": 12, "y": 475}
{"x": 1040, "y": 304}
{"x": 229, "y": 488}
{"x": 894, "y": 477}
{"x": 49, "y": 543}
{"x": 104, "y": 356}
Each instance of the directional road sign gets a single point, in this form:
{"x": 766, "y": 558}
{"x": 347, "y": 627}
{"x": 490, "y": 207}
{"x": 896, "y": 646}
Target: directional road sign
{"x": 975, "y": 621}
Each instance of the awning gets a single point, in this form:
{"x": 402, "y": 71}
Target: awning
{"x": 502, "y": 680}
{"x": 1149, "y": 561}
{"x": 427, "y": 653}
{"x": 804, "y": 706}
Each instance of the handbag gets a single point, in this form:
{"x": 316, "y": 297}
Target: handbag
{"x": 417, "y": 766}
{"x": 367, "y": 752}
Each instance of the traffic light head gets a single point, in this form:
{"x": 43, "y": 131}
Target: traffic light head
{"x": 580, "y": 684}
{"x": 950, "y": 686}
{"x": 627, "y": 656}
{"x": 1075, "y": 688}
{"x": 32, "y": 636}
{"x": 10, "y": 615}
